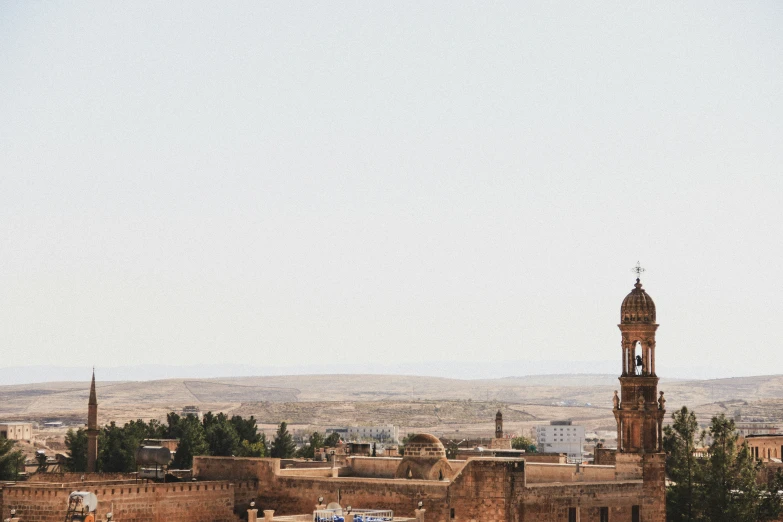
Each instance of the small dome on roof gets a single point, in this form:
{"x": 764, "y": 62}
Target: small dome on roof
{"x": 424, "y": 437}
{"x": 425, "y": 445}
{"x": 637, "y": 307}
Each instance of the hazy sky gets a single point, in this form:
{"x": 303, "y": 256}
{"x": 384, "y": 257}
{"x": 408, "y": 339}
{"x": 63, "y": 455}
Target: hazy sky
{"x": 301, "y": 183}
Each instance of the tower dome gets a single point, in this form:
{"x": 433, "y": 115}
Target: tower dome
{"x": 637, "y": 307}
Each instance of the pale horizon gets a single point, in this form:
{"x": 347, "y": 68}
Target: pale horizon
{"x": 290, "y": 186}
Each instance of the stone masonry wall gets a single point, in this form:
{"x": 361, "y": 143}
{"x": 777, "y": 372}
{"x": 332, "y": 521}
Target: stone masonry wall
{"x": 379, "y": 467}
{"x": 235, "y": 468}
{"x": 654, "y": 497}
{"x": 551, "y": 502}
{"x": 296, "y": 495}
{"x": 536, "y": 473}
{"x": 482, "y": 492}
{"x": 79, "y": 477}
{"x": 181, "y": 502}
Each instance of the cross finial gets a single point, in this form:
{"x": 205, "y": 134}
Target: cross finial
{"x": 638, "y": 270}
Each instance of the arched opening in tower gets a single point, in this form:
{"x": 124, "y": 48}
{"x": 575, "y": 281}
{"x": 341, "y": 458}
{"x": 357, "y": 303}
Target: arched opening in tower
{"x": 639, "y": 358}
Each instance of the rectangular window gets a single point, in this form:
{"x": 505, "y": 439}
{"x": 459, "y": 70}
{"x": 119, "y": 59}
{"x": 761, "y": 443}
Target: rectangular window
{"x": 572, "y": 515}
{"x": 604, "y": 514}
{"x": 635, "y": 514}
{"x": 451, "y": 513}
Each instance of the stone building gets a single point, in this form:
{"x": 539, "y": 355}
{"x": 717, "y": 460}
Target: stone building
{"x": 17, "y": 431}
{"x": 423, "y": 483}
{"x": 766, "y": 448}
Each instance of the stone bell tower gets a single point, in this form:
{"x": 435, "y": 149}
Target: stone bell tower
{"x": 92, "y": 428}
{"x": 499, "y": 425}
{"x": 639, "y": 410}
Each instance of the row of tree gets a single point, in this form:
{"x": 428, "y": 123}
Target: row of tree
{"x": 724, "y": 485}
{"x": 216, "y": 435}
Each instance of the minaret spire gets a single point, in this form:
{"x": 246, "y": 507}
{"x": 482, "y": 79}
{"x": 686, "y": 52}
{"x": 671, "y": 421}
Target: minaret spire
{"x": 93, "y": 397}
{"x": 92, "y": 428}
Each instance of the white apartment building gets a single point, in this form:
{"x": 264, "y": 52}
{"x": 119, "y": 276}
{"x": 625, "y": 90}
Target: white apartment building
{"x": 560, "y": 437}
{"x": 387, "y": 433}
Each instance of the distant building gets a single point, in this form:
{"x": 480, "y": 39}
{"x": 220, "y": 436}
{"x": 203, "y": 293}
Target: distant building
{"x": 766, "y": 448}
{"x": 192, "y": 410}
{"x": 387, "y": 433}
{"x": 755, "y": 428}
{"x": 561, "y": 437}
{"x": 16, "y": 431}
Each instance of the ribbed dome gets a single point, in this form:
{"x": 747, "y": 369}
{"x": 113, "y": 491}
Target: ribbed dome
{"x": 637, "y": 307}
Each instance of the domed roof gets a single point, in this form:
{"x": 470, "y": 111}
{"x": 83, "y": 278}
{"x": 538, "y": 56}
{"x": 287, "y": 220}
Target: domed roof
{"x": 425, "y": 445}
{"x": 422, "y": 438}
{"x": 637, "y": 307}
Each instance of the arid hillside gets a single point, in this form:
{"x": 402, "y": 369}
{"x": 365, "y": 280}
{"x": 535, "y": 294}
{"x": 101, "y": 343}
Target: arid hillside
{"x": 419, "y": 403}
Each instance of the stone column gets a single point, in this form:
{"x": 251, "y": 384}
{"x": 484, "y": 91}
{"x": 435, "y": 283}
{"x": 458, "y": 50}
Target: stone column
{"x": 269, "y": 515}
{"x": 420, "y": 515}
{"x": 252, "y": 515}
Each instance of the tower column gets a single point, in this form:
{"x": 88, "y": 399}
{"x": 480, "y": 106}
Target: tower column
{"x": 92, "y": 429}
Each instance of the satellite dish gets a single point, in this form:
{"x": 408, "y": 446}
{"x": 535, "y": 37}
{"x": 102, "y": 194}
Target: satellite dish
{"x": 336, "y": 507}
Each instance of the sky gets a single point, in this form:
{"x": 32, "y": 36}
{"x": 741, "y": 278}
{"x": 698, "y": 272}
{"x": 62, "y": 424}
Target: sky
{"x": 389, "y": 186}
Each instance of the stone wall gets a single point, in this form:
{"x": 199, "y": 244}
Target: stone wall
{"x": 537, "y": 473}
{"x": 309, "y": 472}
{"x": 194, "y": 502}
{"x": 296, "y": 495}
{"x": 605, "y": 456}
{"x": 654, "y": 496}
{"x": 551, "y": 502}
{"x": 62, "y": 478}
{"x": 235, "y": 468}
{"x": 483, "y": 491}
{"x": 378, "y": 467}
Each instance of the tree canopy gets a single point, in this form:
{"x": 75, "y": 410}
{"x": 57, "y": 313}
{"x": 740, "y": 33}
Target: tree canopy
{"x": 11, "y": 460}
{"x": 724, "y": 486}
{"x": 214, "y": 435}
{"x": 283, "y": 446}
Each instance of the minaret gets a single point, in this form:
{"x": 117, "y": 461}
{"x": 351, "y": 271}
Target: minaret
{"x": 639, "y": 411}
{"x": 499, "y": 425}
{"x": 92, "y": 428}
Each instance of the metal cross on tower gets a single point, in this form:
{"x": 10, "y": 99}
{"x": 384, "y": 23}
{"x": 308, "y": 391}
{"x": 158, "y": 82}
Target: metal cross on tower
{"x": 638, "y": 270}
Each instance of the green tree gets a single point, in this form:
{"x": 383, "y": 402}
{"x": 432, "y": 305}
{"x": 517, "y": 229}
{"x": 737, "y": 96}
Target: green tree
{"x": 222, "y": 437}
{"x": 76, "y": 442}
{"x": 523, "y": 443}
{"x": 192, "y": 440}
{"x": 315, "y": 441}
{"x": 732, "y": 492}
{"x": 117, "y": 448}
{"x": 283, "y": 446}
{"x": 246, "y": 428}
{"x": 332, "y": 440}
{"x": 252, "y": 449}
{"x": 684, "y": 496}
{"x": 11, "y": 460}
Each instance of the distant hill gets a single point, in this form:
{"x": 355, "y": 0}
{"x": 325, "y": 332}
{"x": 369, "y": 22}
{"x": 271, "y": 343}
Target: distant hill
{"x": 400, "y": 397}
